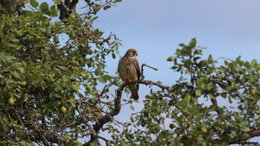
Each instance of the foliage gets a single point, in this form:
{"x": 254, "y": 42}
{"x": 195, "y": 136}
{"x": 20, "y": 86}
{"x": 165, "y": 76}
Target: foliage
{"x": 50, "y": 70}
{"x": 41, "y": 73}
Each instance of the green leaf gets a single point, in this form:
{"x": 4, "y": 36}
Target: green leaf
{"x": 182, "y": 45}
{"x": 113, "y": 55}
{"x": 106, "y": 7}
{"x": 254, "y": 63}
{"x": 211, "y": 95}
{"x": 210, "y": 86}
{"x": 101, "y": 79}
{"x": 34, "y": 3}
{"x": 198, "y": 52}
{"x": 9, "y": 4}
{"x": 97, "y": 71}
{"x": 15, "y": 75}
{"x": 198, "y": 92}
{"x": 17, "y": 138}
{"x": 193, "y": 43}
{"x": 44, "y": 7}
{"x": 186, "y": 100}
{"x": 83, "y": 73}
{"x": 54, "y": 11}
{"x": 106, "y": 78}
{"x": 123, "y": 143}
{"x": 224, "y": 94}
{"x": 56, "y": 2}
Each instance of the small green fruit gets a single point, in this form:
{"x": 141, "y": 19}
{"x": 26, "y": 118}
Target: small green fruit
{"x": 74, "y": 88}
{"x": 88, "y": 87}
{"x": 171, "y": 58}
{"x": 204, "y": 130}
{"x": 246, "y": 129}
{"x": 11, "y": 101}
{"x": 63, "y": 109}
{"x": 23, "y": 83}
{"x": 253, "y": 91}
{"x": 132, "y": 118}
{"x": 96, "y": 114}
{"x": 218, "y": 129}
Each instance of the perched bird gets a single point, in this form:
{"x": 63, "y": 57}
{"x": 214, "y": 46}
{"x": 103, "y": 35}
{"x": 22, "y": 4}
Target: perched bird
{"x": 129, "y": 70}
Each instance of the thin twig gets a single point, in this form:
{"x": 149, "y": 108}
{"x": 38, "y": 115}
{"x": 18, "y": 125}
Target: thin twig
{"x": 149, "y": 67}
{"x": 106, "y": 140}
{"x": 106, "y": 87}
{"x": 142, "y": 69}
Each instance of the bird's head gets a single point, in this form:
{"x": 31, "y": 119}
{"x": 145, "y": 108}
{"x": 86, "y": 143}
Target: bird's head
{"x": 131, "y": 53}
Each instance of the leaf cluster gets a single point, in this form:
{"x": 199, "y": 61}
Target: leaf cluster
{"x": 49, "y": 84}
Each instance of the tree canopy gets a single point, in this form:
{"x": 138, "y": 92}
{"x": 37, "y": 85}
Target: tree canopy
{"x": 50, "y": 87}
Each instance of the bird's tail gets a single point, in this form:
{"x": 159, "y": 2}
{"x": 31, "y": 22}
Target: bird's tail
{"x": 134, "y": 91}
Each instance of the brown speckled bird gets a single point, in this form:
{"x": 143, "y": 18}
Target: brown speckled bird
{"x": 129, "y": 70}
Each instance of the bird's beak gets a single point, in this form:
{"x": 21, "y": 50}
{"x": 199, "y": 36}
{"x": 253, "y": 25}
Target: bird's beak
{"x": 136, "y": 54}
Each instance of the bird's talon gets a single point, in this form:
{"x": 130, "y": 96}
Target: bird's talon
{"x": 129, "y": 81}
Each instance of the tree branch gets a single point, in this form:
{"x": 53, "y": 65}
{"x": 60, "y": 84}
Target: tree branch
{"x": 66, "y": 8}
{"x": 72, "y": 5}
{"x": 44, "y": 136}
{"x": 117, "y": 106}
{"x": 218, "y": 110}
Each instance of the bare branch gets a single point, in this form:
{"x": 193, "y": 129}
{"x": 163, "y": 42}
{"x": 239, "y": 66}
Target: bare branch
{"x": 45, "y": 136}
{"x": 72, "y": 5}
{"x": 149, "y": 67}
{"x": 218, "y": 110}
{"x": 142, "y": 69}
{"x": 106, "y": 87}
{"x": 64, "y": 6}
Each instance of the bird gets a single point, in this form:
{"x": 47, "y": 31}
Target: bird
{"x": 129, "y": 71}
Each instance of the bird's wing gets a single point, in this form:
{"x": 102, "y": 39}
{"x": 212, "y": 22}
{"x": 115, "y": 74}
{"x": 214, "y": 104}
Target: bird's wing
{"x": 119, "y": 64}
{"x": 137, "y": 68}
